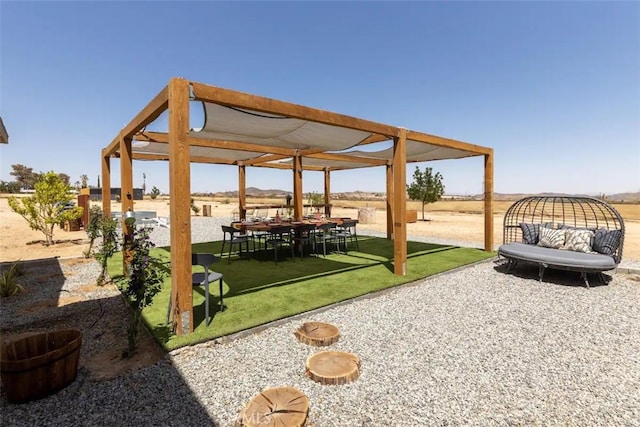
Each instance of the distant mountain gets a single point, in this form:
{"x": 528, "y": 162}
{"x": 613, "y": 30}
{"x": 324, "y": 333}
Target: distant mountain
{"x": 255, "y": 192}
{"x": 617, "y": 198}
{"x": 364, "y": 195}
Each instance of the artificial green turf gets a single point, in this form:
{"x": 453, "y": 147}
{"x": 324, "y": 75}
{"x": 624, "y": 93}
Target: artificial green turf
{"x": 257, "y": 291}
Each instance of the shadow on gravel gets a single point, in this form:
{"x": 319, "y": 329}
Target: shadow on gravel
{"x": 556, "y": 277}
{"x": 146, "y": 394}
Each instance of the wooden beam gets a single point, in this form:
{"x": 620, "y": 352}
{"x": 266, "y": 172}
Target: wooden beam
{"x": 286, "y": 166}
{"x": 162, "y": 137}
{"x": 152, "y": 111}
{"x": 113, "y": 146}
{"x": 348, "y": 158}
{"x": 194, "y": 159}
{"x": 297, "y": 188}
{"x": 389, "y": 174}
{"x": 242, "y": 192}
{"x": 327, "y": 193}
{"x": 239, "y": 146}
{"x": 180, "y": 212}
{"x": 488, "y": 202}
{"x": 234, "y": 98}
{"x": 265, "y": 159}
{"x": 446, "y": 142}
{"x": 106, "y": 185}
{"x": 400, "y": 204}
{"x": 126, "y": 198}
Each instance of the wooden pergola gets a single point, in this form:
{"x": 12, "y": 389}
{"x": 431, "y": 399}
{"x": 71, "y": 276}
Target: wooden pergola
{"x": 248, "y": 130}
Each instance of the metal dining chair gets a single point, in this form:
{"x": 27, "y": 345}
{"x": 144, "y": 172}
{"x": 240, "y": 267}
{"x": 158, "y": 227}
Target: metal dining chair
{"x": 277, "y": 237}
{"x": 325, "y": 234}
{"x": 305, "y": 234}
{"x": 233, "y": 236}
{"x": 347, "y": 231}
{"x": 205, "y": 260}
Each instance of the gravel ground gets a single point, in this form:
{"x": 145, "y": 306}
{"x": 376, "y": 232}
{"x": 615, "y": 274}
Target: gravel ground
{"x": 470, "y": 347}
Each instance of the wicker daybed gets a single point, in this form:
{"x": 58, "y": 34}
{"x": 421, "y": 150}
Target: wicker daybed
{"x": 581, "y": 234}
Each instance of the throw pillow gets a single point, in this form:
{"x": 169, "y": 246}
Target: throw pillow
{"x": 530, "y": 233}
{"x": 606, "y": 241}
{"x": 551, "y": 238}
{"x": 578, "y": 239}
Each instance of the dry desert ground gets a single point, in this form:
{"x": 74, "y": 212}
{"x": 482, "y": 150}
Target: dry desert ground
{"x": 457, "y": 221}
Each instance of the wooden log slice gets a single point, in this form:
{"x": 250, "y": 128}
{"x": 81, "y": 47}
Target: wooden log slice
{"x": 333, "y": 367}
{"x": 317, "y": 333}
{"x": 279, "y": 406}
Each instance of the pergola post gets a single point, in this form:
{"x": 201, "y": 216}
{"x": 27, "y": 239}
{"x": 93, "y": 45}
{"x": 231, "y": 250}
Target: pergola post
{"x": 242, "y": 191}
{"x": 180, "y": 190}
{"x": 389, "y": 173}
{"x": 400, "y": 203}
{"x": 126, "y": 198}
{"x": 106, "y": 185}
{"x": 327, "y": 192}
{"x": 488, "y": 201}
{"x": 297, "y": 188}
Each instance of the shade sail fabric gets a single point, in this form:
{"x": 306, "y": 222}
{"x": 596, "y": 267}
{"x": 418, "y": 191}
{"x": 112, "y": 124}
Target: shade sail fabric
{"x": 241, "y": 125}
{"x": 416, "y": 152}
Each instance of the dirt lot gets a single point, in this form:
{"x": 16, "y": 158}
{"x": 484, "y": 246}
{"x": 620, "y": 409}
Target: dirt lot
{"x": 457, "y": 220}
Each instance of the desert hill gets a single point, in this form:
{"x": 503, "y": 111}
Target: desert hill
{"x": 365, "y": 195}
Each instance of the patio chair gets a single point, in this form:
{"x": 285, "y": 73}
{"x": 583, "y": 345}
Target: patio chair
{"x": 305, "y": 234}
{"x": 277, "y": 237}
{"x": 347, "y": 231}
{"x": 205, "y": 260}
{"x": 233, "y": 236}
{"x": 325, "y": 234}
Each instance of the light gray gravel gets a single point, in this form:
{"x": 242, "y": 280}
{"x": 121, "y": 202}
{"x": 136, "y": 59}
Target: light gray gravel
{"x": 471, "y": 347}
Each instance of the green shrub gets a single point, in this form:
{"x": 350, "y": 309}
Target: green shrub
{"x": 8, "y": 281}
{"x": 155, "y": 192}
{"x": 194, "y": 208}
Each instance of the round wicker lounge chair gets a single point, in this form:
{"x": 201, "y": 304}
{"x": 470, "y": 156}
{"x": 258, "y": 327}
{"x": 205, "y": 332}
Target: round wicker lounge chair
{"x": 573, "y": 233}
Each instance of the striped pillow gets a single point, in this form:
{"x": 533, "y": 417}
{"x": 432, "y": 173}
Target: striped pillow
{"x": 578, "y": 239}
{"x": 551, "y": 238}
{"x": 530, "y": 233}
{"x": 607, "y": 241}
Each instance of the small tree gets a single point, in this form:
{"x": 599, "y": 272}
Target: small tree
{"x": 426, "y": 187}
{"x": 146, "y": 275}
{"x": 93, "y": 228}
{"x": 109, "y": 232}
{"x": 84, "y": 179}
{"x": 24, "y": 175}
{"x": 48, "y": 206}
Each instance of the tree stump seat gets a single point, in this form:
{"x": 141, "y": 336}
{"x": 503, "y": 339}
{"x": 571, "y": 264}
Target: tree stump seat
{"x": 278, "y": 406}
{"x": 317, "y": 334}
{"x": 333, "y": 367}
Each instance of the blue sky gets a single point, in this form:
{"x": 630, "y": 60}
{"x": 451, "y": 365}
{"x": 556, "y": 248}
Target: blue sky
{"x": 552, "y": 87}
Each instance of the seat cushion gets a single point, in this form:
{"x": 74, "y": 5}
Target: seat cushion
{"x": 557, "y": 257}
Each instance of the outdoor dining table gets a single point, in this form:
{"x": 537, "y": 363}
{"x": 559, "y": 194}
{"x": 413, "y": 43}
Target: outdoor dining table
{"x": 266, "y": 226}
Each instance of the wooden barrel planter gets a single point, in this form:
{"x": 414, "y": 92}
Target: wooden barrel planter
{"x": 39, "y": 365}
